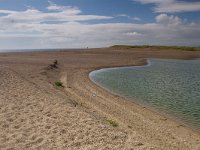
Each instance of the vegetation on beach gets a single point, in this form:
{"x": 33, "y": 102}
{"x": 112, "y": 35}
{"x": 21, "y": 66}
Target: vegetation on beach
{"x": 59, "y": 84}
{"x": 112, "y": 123}
{"x": 185, "y": 48}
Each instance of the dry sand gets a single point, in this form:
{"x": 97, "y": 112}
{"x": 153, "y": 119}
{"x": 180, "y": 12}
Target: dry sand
{"x": 34, "y": 114}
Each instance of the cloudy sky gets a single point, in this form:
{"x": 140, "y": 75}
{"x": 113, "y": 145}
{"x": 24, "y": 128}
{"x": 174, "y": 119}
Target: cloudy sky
{"x": 38, "y": 24}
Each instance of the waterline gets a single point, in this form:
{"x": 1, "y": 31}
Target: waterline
{"x": 169, "y": 86}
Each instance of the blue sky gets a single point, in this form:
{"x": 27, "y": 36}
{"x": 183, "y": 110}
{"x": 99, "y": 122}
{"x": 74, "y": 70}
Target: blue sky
{"x": 36, "y": 24}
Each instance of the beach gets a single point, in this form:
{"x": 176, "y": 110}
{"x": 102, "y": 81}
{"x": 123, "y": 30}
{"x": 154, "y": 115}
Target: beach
{"x": 35, "y": 114}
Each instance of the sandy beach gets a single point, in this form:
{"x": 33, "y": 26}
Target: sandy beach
{"x": 35, "y": 114}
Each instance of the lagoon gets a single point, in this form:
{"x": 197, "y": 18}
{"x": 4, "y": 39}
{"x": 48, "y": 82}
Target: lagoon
{"x": 168, "y": 86}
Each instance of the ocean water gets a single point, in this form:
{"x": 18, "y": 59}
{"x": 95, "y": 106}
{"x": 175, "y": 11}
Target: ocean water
{"x": 167, "y": 86}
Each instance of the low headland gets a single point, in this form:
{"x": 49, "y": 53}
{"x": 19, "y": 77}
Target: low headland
{"x": 48, "y": 104}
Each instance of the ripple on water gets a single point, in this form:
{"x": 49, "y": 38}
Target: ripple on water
{"x": 169, "y": 86}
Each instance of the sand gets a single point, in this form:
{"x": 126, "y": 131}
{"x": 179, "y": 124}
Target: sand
{"x": 35, "y": 114}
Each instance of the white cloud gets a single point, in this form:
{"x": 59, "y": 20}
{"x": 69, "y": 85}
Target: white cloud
{"x": 129, "y": 17}
{"x": 171, "y": 6}
{"x": 63, "y": 13}
{"x": 123, "y": 15}
{"x": 154, "y": 1}
{"x": 168, "y": 20}
{"x": 136, "y": 18}
{"x": 30, "y": 29}
{"x": 7, "y": 12}
{"x": 133, "y": 34}
{"x": 67, "y": 9}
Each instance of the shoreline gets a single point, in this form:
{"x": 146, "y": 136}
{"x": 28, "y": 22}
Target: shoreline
{"x": 166, "y": 121}
{"x": 88, "y": 85}
{"x": 137, "y": 128}
{"x": 146, "y": 106}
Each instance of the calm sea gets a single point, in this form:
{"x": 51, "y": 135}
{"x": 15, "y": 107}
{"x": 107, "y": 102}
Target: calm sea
{"x": 168, "y": 86}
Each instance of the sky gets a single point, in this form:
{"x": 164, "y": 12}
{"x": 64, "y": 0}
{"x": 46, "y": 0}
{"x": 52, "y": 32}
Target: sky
{"x": 43, "y": 24}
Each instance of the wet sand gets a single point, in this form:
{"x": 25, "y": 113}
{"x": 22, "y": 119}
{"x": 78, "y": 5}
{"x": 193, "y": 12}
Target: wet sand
{"x": 37, "y": 115}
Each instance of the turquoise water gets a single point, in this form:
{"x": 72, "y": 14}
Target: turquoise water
{"x": 168, "y": 86}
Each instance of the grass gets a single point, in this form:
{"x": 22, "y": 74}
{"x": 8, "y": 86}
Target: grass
{"x": 58, "y": 84}
{"x": 112, "y": 123}
{"x": 185, "y": 48}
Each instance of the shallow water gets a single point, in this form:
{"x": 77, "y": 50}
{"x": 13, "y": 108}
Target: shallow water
{"x": 168, "y": 86}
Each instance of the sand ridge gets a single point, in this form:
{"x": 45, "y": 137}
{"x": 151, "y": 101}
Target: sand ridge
{"x": 31, "y": 119}
{"x": 146, "y": 125}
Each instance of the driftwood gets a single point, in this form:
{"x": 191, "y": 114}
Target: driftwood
{"x": 54, "y": 65}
